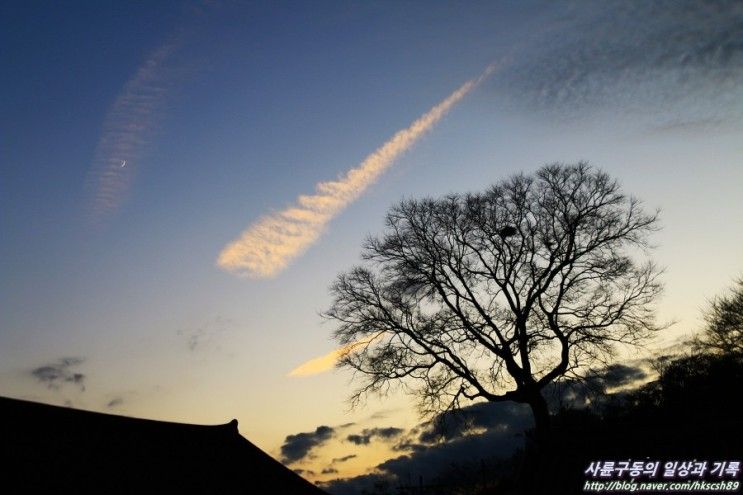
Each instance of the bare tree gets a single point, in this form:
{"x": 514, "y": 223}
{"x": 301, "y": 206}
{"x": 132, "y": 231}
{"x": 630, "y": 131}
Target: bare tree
{"x": 723, "y": 332}
{"x": 495, "y": 295}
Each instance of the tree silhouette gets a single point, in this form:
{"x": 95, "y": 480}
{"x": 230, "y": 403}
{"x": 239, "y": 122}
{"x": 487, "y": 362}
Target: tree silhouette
{"x": 723, "y": 332}
{"x": 497, "y": 294}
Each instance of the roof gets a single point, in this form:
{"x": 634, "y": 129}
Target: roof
{"x": 44, "y": 447}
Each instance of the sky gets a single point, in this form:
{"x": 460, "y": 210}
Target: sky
{"x": 181, "y": 182}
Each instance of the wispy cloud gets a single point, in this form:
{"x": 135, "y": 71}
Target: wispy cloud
{"x": 320, "y": 364}
{"x": 328, "y": 361}
{"x": 267, "y": 246}
{"x": 676, "y": 61}
{"x": 206, "y": 336}
{"x": 127, "y": 131}
{"x": 54, "y": 375}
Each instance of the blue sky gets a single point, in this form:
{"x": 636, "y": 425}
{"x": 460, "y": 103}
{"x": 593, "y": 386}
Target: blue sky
{"x": 227, "y": 112}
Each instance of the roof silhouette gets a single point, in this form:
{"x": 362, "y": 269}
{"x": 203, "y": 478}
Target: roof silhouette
{"x": 45, "y": 447}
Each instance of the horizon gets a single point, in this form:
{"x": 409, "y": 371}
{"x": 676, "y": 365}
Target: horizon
{"x": 182, "y": 182}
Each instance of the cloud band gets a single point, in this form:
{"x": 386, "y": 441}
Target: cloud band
{"x": 270, "y": 244}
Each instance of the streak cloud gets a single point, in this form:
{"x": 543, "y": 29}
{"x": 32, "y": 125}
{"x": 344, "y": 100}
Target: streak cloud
{"x": 328, "y": 361}
{"x": 267, "y": 246}
{"x": 127, "y": 130}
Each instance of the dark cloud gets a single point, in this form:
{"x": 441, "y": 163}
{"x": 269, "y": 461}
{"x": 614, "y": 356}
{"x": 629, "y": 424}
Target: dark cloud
{"x": 207, "y": 335}
{"x": 343, "y": 459}
{"x": 668, "y": 56}
{"x": 115, "y": 402}
{"x": 304, "y": 472}
{"x": 382, "y": 414}
{"x": 409, "y": 445}
{"x": 358, "y": 484}
{"x": 329, "y": 470}
{"x": 485, "y": 431}
{"x": 297, "y": 447}
{"x": 455, "y": 424}
{"x": 474, "y": 433}
{"x": 592, "y": 389}
{"x": 55, "y": 375}
{"x": 367, "y": 434}
{"x": 386, "y": 433}
{"x": 358, "y": 439}
{"x": 430, "y": 461}
{"x": 618, "y": 375}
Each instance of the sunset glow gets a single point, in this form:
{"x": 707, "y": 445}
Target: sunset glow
{"x": 184, "y": 184}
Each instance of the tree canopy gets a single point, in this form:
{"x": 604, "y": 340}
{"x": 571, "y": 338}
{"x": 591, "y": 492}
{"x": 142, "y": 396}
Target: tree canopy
{"x": 494, "y": 295}
{"x": 723, "y": 332}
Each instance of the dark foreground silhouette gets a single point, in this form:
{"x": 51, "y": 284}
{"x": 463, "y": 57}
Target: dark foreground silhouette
{"x": 691, "y": 412}
{"x": 45, "y": 448}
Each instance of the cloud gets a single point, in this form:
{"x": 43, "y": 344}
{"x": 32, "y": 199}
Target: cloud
{"x": 304, "y": 472}
{"x": 345, "y": 458}
{"x": 617, "y": 375}
{"x": 593, "y": 389}
{"x": 127, "y": 131}
{"x": 689, "y": 126}
{"x": 429, "y": 462}
{"x": 55, "y": 375}
{"x": 659, "y": 60}
{"x": 267, "y": 246}
{"x": 328, "y": 361}
{"x": 358, "y": 484}
{"x": 500, "y": 434}
{"x": 477, "y": 432}
{"x": 206, "y": 335}
{"x": 367, "y": 434}
{"x": 320, "y": 364}
{"x": 329, "y": 470}
{"x": 297, "y": 447}
{"x": 358, "y": 439}
{"x": 383, "y": 414}
{"x": 450, "y": 425}
{"x": 480, "y": 432}
{"x": 484, "y": 431}
{"x": 115, "y": 402}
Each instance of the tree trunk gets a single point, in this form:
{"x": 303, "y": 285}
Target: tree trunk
{"x": 541, "y": 419}
{"x": 534, "y": 480}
